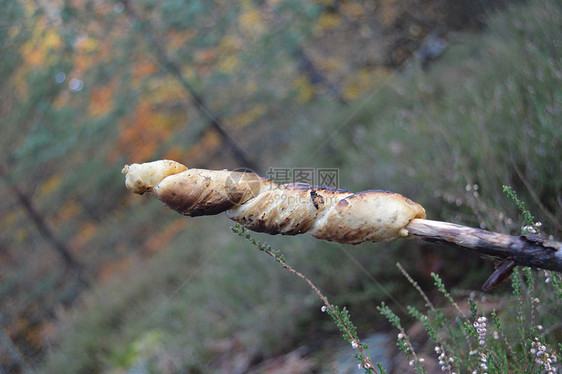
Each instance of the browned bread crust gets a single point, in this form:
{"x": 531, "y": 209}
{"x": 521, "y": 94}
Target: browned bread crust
{"x": 262, "y": 205}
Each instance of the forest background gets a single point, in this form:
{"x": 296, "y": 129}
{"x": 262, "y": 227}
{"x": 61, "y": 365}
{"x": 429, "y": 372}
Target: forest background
{"x": 441, "y": 101}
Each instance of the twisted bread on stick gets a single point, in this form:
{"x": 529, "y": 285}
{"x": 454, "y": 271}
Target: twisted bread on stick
{"x": 261, "y": 205}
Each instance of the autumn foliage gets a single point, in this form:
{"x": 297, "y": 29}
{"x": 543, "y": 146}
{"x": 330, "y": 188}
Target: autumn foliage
{"x": 88, "y": 86}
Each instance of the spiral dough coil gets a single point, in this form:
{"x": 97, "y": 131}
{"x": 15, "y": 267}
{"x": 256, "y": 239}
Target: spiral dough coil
{"x": 264, "y": 206}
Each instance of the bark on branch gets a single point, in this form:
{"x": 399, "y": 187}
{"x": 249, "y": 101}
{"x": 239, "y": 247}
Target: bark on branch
{"x": 526, "y": 250}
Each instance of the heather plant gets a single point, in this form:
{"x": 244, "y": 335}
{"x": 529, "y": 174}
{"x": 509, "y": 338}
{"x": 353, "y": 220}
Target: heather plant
{"x": 340, "y": 316}
{"x": 509, "y": 340}
{"x": 494, "y": 341}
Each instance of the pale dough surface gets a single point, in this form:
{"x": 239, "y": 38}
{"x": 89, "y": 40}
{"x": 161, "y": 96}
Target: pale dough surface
{"x": 263, "y": 206}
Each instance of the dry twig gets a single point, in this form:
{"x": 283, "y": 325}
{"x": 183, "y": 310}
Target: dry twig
{"x": 525, "y": 250}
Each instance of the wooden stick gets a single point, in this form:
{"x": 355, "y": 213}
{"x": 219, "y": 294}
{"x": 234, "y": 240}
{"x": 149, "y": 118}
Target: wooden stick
{"x": 525, "y": 250}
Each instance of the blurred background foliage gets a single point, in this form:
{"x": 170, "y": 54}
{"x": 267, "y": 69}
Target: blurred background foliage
{"x": 441, "y": 101}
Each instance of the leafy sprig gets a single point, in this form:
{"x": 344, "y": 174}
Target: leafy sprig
{"x": 341, "y": 317}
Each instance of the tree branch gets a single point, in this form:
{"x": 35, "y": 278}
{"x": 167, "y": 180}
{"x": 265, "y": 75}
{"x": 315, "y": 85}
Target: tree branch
{"x": 43, "y": 227}
{"x": 525, "y": 250}
{"x": 174, "y": 70}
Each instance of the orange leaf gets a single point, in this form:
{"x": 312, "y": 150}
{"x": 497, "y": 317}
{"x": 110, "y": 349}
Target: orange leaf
{"x": 101, "y": 101}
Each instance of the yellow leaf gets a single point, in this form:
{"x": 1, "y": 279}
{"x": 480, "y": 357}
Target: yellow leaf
{"x": 42, "y": 40}
{"x": 87, "y": 44}
{"x": 68, "y": 211}
{"x": 50, "y": 185}
{"x": 249, "y": 20}
{"x": 230, "y": 43}
{"x": 364, "y": 81}
{"x": 52, "y": 39}
{"x": 228, "y": 63}
{"x": 10, "y": 217}
{"x": 249, "y": 116}
{"x": 21, "y": 235}
{"x": 305, "y": 91}
{"x": 326, "y": 22}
